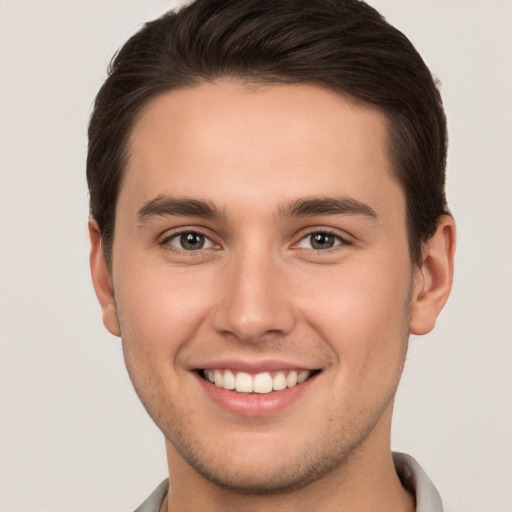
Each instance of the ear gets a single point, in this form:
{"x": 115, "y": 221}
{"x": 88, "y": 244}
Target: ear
{"x": 102, "y": 281}
{"x": 433, "y": 278}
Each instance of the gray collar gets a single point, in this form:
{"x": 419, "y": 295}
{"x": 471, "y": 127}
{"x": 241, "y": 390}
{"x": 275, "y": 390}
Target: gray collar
{"x": 416, "y": 481}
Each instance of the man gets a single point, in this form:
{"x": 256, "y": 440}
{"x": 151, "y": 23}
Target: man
{"x": 268, "y": 226}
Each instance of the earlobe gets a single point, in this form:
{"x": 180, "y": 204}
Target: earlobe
{"x": 433, "y": 279}
{"x": 102, "y": 281}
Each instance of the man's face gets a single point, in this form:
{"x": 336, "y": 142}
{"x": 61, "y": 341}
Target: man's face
{"x": 259, "y": 235}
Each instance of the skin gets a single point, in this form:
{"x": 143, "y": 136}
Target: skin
{"x": 258, "y": 290}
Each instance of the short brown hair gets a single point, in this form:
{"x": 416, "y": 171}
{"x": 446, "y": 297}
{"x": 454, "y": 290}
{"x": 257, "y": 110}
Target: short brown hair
{"x": 343, "y": 45}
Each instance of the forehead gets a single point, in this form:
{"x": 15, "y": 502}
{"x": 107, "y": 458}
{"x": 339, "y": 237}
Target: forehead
{"x": 234, "y": 143}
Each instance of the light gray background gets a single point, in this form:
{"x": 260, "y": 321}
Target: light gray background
{"x": 73, "y": 436}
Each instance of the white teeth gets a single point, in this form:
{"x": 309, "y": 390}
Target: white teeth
{"x": 243, "y": 382}
{"x": 302, "y": 376}
{"x": 279, "y": 382}
{"x": 291, "y": 380}
{"x": 259, "y": 383}
{"x": 262, "y": 383}
{"x": 229, "y": 380}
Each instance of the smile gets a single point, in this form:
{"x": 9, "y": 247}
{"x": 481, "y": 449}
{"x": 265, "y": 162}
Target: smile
{"x": 264, "y": 382}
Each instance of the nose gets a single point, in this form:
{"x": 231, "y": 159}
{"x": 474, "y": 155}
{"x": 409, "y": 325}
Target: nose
{"x": 255, "y": 301}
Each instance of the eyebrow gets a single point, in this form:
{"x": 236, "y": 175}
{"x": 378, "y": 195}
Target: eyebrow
{"x": 310, "y": 206}
{"x": 162, "y": 206}
{"x": 169, "y": 205}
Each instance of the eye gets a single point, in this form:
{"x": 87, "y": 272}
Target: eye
{"x": 189, "y": 241}
{"x": 320, "y": 240}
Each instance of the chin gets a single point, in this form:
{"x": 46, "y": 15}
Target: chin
{"x": 280, "y": 468}
{"x": 261, "y": 479}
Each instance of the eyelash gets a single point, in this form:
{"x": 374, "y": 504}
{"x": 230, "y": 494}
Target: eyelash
{"x": 165, "y": 242}
{"x": 338, "y": 240}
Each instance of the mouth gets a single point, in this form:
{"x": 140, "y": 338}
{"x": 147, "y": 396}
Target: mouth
{"x": 261, "y": 383}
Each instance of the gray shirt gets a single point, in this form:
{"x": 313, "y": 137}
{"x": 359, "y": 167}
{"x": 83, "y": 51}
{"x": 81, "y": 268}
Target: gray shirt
{"x": 412, "y": 476}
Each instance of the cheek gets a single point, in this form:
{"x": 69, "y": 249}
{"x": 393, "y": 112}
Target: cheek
{"x": 362, "y": 312}
{"x": 362, "y": 318}
{"x": 161, "y": 309}
{"x": 159, "y": 313}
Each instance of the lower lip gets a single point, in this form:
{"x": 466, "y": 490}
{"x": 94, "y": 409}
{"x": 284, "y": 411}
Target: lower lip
{"x": 255, "y": 404}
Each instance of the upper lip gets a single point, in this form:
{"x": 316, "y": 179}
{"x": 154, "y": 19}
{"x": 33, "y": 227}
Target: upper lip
{"x": 254, "y": 366}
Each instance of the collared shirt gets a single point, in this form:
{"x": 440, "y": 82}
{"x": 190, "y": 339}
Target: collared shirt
{"x": 412, "y": 476}
{"x": 416, "y": 481}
